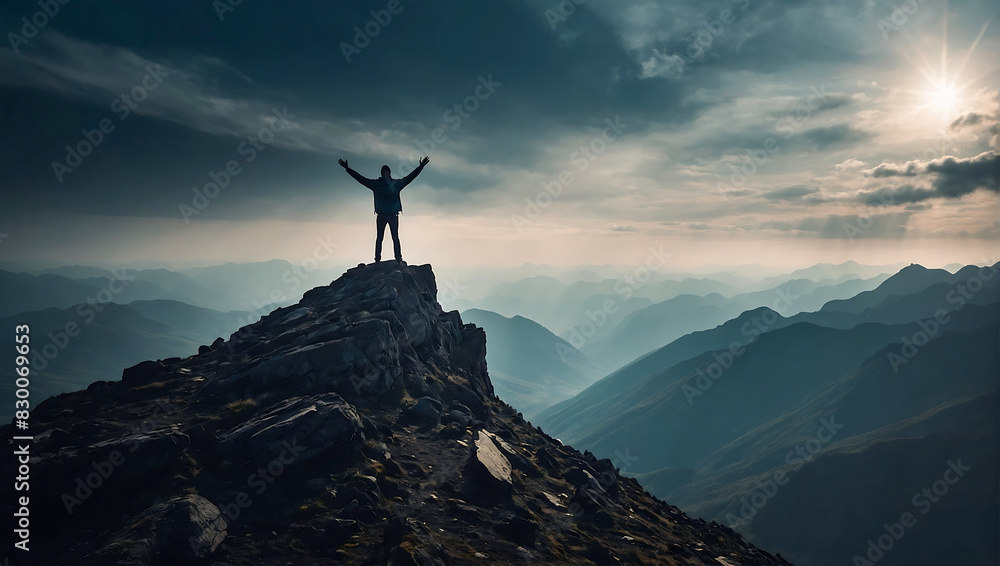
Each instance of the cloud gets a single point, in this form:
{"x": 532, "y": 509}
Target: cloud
{"x": 789, "y": 193}
{"x": 958, "y": 176}
{"x": 830, "y": 136}
{"x": 969, "y": 119}
{"x": 662, "y": 65}
{"x": 191, "y": 94}
{"x": 901, "y": 194}
{"x": 953, "y": 177}
{"x": 849, "y": 165}
{"x": 693, "y": 119}
{"x": 908, "y": 169}
{"x": 850, "y": 227}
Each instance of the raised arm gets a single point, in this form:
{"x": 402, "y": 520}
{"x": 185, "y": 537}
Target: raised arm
{"x": 413, "y": 174}
{"x": 357, "y": 176}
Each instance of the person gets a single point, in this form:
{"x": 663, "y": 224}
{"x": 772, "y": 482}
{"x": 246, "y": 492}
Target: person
{"x": 387, "y": 203}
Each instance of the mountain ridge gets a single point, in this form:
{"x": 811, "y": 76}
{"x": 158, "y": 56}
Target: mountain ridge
{"x": 356, "y": 426}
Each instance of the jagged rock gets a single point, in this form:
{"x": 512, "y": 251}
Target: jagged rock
{"x": 180, "y": 530}
{"x": 299, "y": 429}
{"x": 202, "y": 439}
{"x": 452, "y": 431}
{"x": 546, "y": 459}
{"x": 367, "y": 362}
{"x": 422, "y": 547}
{"x": 519, "y": 530}
{"x": 517, "y": 460}
{"x": 601, "y": 555}
{"x": 427, "y": 410}
{"x": 471, "y": 402}
{"x": 364, "y": 512}
{"x": 144, "y": 373}
{"x": 488, "y": 472}
{"x": 133, "y": 457}
{"x": 459, "y": 417}
{"x": 460, "y": 414}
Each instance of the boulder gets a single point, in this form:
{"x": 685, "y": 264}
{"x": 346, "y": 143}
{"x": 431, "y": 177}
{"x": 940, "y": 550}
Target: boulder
{"x": 426, "y": 410}
{"x": 366, "y": 361}
{"x": 299, "y": 428}
{"x": 488, "y": 472}
{"x": 178, "y": 531}
{"x": 459, "y": 417}
{"x": 144, "y": 373}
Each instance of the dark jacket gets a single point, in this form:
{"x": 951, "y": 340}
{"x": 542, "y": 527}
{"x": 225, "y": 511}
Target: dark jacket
{"x": 386, "y": 194}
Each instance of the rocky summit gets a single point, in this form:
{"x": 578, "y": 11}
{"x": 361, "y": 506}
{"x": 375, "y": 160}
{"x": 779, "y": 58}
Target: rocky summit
{"x": 358, "y": 426}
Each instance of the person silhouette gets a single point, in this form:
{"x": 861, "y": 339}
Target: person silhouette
{"x": 387, "y": 203}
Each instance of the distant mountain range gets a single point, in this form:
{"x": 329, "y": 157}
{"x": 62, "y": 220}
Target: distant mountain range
{"x": 530, "y": 367}
{"x": 250, "y": 287}
{"x": 852, "y": 408}
{"x": 651, "y": 327}
{"x": 76, "y": 346}
{"x": 561, "y": 306}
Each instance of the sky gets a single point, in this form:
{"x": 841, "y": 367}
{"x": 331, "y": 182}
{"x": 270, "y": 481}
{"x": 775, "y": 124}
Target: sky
{"x": 561, "y": 133}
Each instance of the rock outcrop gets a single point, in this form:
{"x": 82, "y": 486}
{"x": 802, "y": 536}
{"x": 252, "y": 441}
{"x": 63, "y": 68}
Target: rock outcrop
{"x": 358, "y": 426}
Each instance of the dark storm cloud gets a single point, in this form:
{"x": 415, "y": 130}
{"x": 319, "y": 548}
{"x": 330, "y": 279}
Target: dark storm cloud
{"x": 902, "y": 194}
{"x": 382, "y": 106}
{"x": 957, "y": 176}
{"x": 556, "y": 87}
{"x": 953, "y": 177}
{"x": 766, "y": 36}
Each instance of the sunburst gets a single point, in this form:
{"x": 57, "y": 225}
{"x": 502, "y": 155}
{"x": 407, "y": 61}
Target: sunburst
{"x": 944, "y": 91}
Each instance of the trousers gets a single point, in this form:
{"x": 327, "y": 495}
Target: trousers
{"x": 393, "y": 221}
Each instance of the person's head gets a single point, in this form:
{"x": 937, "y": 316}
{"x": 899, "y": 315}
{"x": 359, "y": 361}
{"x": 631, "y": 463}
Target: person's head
{"x": 386, "y": 171}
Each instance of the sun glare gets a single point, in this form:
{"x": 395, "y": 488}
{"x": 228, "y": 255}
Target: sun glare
{"x": 941, "y": 95}
{"x": 944, "y": 98}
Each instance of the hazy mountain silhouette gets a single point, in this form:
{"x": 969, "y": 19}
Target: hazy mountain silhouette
{"x": 612, "y": 388}
{"x": 905, "y": 426}
{"x": 683, "y": 414}
{"x": 805, "y": 295}
{"x": 531, "y": 368}
{"x": 902, "y": 407}
{"x": 117, "y": 336}
{"x": 657, "y": 325}
{"x": 25, "y": 292}
{"x": 233, "y": 286}
{"x": 911, "y": 279}
{"x": 838, "y": 272}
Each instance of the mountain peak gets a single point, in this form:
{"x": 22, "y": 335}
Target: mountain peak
{"x": 913, "y": 278}
{"x": 357, "y": 426}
